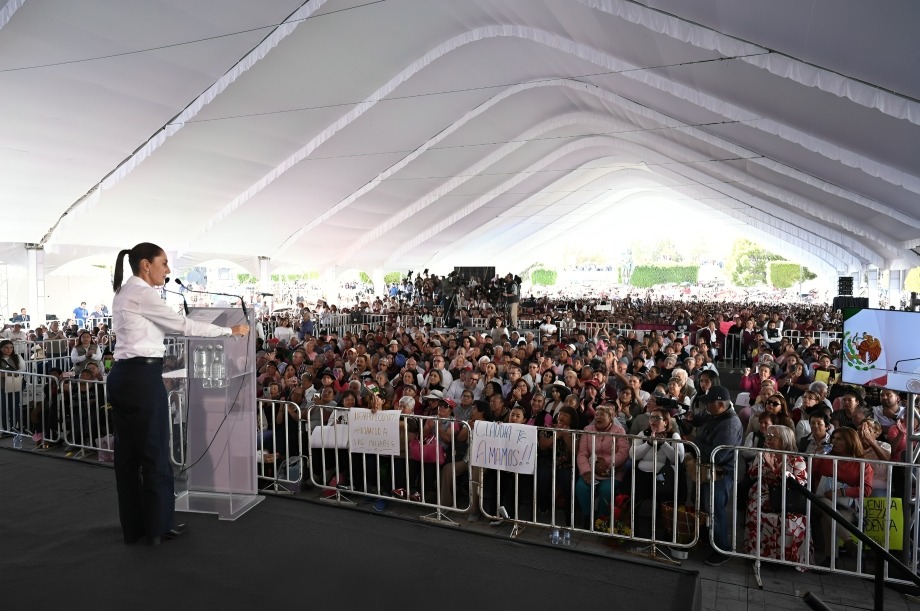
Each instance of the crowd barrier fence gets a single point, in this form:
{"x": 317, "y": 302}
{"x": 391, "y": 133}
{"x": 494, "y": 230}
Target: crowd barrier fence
{"x": 279, "y": 445}
{"x": 655, "y": 507}
{"x": 428, "y": 482}
{"x": 889, "y": 519}
{"x": 50, "y": 410}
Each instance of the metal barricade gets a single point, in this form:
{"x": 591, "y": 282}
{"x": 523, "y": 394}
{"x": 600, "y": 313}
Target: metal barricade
{"x": 178, "y": 426}
{"x": 86, "y": 423}
{"x": 24, "y": 408}
{"x": 796, "y": 541}
{"x": 733, "y": 352}
{"x": 646, "y": 509}
{"x": 279, "y": 445}
{"x": 424, "y": 474}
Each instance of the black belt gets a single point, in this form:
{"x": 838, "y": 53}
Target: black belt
{"x": 147, "y": 360}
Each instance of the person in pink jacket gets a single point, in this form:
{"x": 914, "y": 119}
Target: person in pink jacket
{"x": 600, "y": 463}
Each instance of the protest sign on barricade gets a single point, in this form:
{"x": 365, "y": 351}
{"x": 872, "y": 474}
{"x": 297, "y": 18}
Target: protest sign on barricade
{"x": 373, "y": 432}
{"x": 507, "y": 447}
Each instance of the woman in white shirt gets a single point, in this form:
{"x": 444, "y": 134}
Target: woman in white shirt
{"x": 143, "y": 472}
{"x": 284, "y": 332}
{"x": 656, "y": 459}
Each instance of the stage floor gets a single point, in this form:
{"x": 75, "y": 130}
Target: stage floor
{"x": 62, "y": 549}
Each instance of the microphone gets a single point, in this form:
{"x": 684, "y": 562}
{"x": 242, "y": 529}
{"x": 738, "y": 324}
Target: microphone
{"x": 242, "y": 303}
{"x": 166, "y": 290}
{"x": 896, "y": 363}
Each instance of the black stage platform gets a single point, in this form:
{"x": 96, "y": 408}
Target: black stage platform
{"x": 62, "y": 549}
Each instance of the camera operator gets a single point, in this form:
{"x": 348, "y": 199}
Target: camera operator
{"x": 512, "y": 295}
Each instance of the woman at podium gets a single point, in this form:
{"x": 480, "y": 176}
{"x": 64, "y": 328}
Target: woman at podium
{"x": 143, "y": 473}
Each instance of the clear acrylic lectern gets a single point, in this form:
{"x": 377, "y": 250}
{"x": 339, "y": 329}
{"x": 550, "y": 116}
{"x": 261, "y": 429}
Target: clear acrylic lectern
{"x": 220, "y": 471}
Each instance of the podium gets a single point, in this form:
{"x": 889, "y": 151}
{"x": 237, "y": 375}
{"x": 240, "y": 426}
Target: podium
{"x": 220, "y": 470}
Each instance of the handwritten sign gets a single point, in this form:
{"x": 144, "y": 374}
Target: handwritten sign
{"x": 373, "y": 433}
{"x": 881, "y": 514}
{"x": 507, "y": 447}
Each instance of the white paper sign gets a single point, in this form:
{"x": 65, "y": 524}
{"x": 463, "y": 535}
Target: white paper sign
{"x": 507, "y": 447}
{"x": 370, "y": 433}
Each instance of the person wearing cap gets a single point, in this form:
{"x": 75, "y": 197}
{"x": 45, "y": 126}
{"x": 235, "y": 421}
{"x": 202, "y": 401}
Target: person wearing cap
{"x": 722, "y": 427}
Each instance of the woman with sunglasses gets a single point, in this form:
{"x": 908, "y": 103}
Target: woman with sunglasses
{"x": 772, "y": 531}
{"x": 776, "y": 406}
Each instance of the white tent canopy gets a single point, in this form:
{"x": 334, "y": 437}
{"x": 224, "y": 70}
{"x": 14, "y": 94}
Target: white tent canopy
{"x": 403, "y": 133}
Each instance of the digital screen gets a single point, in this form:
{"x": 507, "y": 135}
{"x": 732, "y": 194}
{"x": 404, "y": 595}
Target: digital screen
{"x": 881, "y": 348}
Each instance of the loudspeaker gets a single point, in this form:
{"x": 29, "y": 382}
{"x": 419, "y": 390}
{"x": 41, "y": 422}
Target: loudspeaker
{"x": 845, "y": 286}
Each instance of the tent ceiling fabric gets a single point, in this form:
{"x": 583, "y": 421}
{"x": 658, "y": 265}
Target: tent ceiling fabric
{"x": 408, "y": 133}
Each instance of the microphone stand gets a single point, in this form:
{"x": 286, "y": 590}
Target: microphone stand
{"x": 242, "y": 301}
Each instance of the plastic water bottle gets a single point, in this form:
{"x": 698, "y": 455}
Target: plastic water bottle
{"x": 567, "y": 537}
{"x": 209, "y": 367}
{"x": 17, "y": 441}
{"x": 200, "y": 363}
{"x": 554, "y": 537}
{"x": 219, "y": 368}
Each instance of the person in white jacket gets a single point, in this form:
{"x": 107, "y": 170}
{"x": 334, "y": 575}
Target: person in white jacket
{"x": 654, "y": 453}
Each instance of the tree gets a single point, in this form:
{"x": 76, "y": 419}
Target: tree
{"x": 546, "y": 277}
{"x": 785, "y": 274}
{"x": 747, "y": 263}
{"x": 393, "y": 278}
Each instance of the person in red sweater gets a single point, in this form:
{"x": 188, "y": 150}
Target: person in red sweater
{"x": 845, "y": 492}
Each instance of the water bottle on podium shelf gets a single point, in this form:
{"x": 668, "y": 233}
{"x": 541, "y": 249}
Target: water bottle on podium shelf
{"x": 567, "y": 537}
{"x": 17, "y": 441}
{"x": 554, "y": 537}
{"x": 209, "y": 367}
{"x": 200, "y": 363}
{"x": 219, "y": 368}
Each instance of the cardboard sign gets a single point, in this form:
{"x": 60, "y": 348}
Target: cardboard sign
{"x": 881, "y": 514}
{"x": 507, "y": 447}
{"x": 370, "y": 433}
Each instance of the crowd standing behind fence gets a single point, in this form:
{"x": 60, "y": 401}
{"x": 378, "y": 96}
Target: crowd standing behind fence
{"x": 441, "y": 381}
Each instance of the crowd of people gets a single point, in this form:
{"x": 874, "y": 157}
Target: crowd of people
{"x": 579, "y": 383}
{"x": 664, "y": 388}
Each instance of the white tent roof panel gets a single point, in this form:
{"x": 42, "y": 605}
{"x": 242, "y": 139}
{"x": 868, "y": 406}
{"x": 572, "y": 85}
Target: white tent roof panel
{"x": 411, "y": 131}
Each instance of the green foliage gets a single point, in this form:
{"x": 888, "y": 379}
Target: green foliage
{"x": 246, "y": 279}
{"x": 545, "y": 277}
{"x": 785, "y": 274}
{"x": 393, "y": 278}
{"x": 649, "y": 275}
{"x": 747, "y": 263}
{"x": 365, "y": 278}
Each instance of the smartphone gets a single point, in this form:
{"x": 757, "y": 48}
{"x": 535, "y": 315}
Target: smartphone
{"x": 266, "y": 392}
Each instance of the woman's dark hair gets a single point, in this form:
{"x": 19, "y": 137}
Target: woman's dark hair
{"x": 13, "y": 356}
{"x": 712, "y": 375}
{"x": 496, "y": 388}
{"x": 145, "y": 251}
{"x": 353, "y": 395}
{"x": 573, "y": 416}
{"x": 483, "y": 408}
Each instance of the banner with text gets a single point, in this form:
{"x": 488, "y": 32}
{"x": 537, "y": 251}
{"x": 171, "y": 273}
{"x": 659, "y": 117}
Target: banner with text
{"x": 507, "y": 447}
{"x": 373, "y": 433}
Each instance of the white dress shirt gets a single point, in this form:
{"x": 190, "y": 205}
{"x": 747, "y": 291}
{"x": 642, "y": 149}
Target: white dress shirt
{"x": 141, "y": 321}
